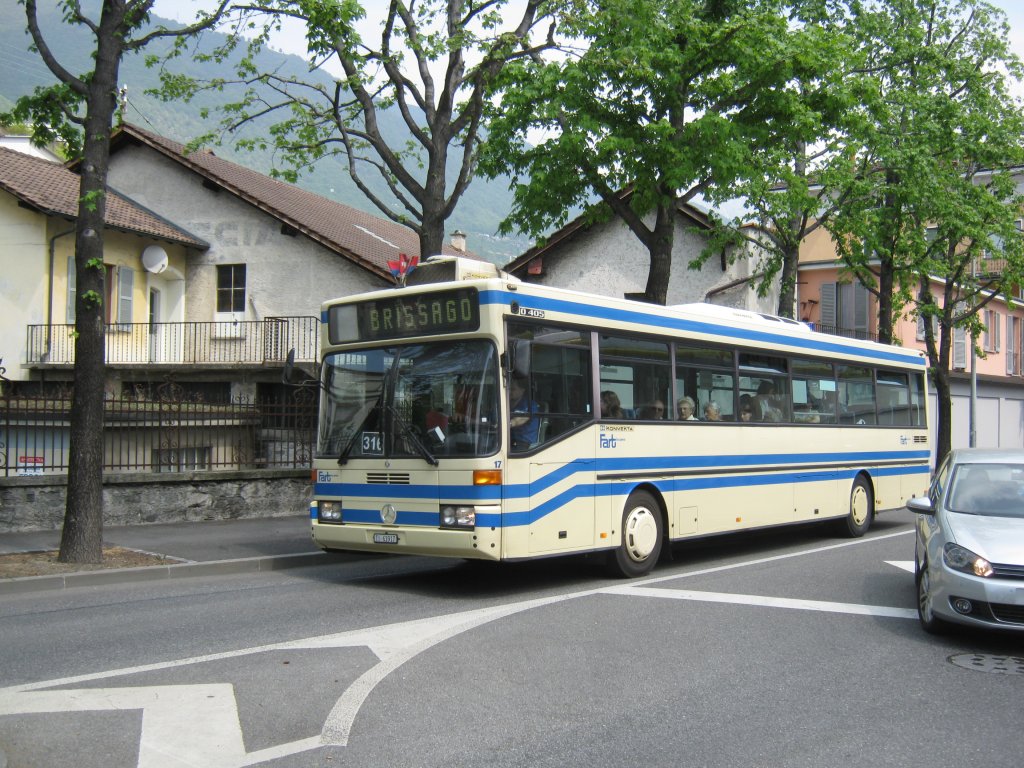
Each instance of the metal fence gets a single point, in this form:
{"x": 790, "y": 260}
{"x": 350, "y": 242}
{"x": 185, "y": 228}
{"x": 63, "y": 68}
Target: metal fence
{"x": 244, "y": 342}
{"x": 849, "y": 333}
{"x": 168, "y": 433}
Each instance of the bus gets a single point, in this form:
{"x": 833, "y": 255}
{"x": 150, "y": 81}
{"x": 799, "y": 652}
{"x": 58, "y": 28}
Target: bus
{"x": 468, "y": 414}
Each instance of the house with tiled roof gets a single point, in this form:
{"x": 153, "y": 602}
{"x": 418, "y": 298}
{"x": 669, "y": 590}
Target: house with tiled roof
{"x": 606, "y": 258}
{"x": 275, "y": 251}
{"x": 38, "y": 208}
{"x": 291, "y": 249}
{"x": 214, "y": 272}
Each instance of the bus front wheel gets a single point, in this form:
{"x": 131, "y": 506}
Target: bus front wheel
{"x": 642, "y": 536}
{"x": 862, "y": 509}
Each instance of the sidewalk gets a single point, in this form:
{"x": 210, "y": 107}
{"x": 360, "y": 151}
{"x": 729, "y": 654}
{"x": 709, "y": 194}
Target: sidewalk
{"x": 216, "y": 546}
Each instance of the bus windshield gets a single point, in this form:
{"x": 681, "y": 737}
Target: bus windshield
{"x": 428, "y": 400}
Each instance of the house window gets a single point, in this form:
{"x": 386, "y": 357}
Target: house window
{"x": 844, "y": 309}
{"x": 118, "y": 284}
{"x": 181, "y": 459}
{"x": 920, "y": 328}
{"x": 998, "y": 244}
{"x": 990, "y": 338}
{"x": 231, "y": 289}
{"x": 1012, "y": 345}
{"x": 230, "y": 301}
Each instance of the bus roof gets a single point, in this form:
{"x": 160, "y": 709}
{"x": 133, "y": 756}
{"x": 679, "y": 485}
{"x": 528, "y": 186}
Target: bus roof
{"x": 711, "y": 321}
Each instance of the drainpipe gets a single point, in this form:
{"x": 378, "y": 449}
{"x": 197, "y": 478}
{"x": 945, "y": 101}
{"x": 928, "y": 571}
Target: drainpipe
{"x": 49, "y": 291}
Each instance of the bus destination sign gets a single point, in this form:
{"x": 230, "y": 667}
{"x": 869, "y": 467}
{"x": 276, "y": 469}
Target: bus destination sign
{"x": 405, "y": 315}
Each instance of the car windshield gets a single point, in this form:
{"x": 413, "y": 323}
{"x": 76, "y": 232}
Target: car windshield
{"x": 431, "y": 401}
{"x": 988, "y": 489}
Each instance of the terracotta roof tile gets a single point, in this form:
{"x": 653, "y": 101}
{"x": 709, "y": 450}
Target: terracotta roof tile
{"x": 53, "y": 189}
{"x": 367, "y": 240}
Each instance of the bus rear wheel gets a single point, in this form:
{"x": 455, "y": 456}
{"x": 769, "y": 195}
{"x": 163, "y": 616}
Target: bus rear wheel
{"x": 642, "y": 536}
{"x": 862, "y": 509}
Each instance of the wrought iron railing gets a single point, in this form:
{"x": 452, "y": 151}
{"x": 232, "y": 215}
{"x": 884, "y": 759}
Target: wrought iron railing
{"x": 849, "y": 333}
{"x": 252, "y": 342}
{"x": 168, "y": 433}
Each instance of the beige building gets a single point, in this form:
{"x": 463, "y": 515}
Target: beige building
{"x": 145, "y": 257}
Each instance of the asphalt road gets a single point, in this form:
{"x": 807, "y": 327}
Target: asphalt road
{"x": 788, "y": 648}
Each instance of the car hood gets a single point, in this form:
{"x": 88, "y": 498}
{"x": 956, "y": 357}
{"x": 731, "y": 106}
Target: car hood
{"x": 997, "y": 539}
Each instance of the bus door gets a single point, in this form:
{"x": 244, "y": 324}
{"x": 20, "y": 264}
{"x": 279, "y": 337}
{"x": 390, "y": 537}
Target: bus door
{"x": 551, "y": 457}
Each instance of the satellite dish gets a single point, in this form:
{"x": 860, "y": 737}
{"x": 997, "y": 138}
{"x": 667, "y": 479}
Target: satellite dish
{"x": 154, "y": 259}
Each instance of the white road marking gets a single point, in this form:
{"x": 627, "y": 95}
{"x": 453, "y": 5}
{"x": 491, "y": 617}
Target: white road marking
{"x": 904, "y": 565}
{"x": 769, "y": 602}
{"x": 221, "y": 745}
{"x": 207, "y": 713}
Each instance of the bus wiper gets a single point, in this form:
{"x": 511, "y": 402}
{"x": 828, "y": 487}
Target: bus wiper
{"x": 424, "y": 451}
{"x": 343, "y": 456}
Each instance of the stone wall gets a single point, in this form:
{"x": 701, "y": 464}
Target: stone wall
{"x": 37, "y": 503}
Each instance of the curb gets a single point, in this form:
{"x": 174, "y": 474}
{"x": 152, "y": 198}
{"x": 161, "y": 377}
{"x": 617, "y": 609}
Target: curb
{"x": 26, "y": 584}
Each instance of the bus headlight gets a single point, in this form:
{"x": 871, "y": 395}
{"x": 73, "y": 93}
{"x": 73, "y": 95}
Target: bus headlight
{"x": 329, "y": 512}
{"x": 458, "y": 517}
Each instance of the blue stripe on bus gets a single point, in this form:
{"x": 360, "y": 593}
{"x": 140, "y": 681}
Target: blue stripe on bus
{"x": 653, "y": 464}
{"x": 469, "y": 494}
{"x": 815, "y": 341}
{"x": 493, "y": 493}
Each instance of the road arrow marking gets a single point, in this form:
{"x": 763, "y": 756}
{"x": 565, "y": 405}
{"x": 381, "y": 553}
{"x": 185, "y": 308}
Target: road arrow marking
{"x": 904, "y": 565}
{"x": 182, "y": 725}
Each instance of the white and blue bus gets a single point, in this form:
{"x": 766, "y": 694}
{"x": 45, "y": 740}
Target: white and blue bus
{"x": 469, "y": 414}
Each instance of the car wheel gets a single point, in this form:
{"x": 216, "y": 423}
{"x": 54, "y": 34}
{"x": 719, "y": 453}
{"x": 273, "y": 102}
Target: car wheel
{"x": 862, "y": 509}
{"x": 642, "y": 536}
{"x": 931, "y": 623}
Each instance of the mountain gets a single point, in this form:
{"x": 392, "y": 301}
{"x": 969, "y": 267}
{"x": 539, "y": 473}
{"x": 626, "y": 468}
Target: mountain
{"x": 478, "y": 213}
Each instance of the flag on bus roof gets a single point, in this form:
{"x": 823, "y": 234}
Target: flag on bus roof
{"x": 402, "y": 266}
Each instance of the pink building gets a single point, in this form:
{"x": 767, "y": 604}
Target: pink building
{"x": 836, "y": 303}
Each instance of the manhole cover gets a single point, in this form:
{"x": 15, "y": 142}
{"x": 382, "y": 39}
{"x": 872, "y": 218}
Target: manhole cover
{"x": 990, "y": 662}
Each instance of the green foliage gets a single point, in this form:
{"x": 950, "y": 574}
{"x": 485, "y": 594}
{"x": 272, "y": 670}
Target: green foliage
{"x": 929, "y": 145}
{"x": 90, "y": 200}
{"x": 664, "y": 98}
{"x": 46, "y": 113}
{"x": 92, "y": 298}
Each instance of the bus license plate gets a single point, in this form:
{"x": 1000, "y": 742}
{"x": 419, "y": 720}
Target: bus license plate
{"x": 385, "y": 538}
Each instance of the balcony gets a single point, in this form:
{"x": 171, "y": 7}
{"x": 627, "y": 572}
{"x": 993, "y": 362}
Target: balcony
{"x": 218, "y": 344}
{"x": 849, "y": 333}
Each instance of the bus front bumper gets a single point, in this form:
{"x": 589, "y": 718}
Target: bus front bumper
{"x": 482, "y": 543}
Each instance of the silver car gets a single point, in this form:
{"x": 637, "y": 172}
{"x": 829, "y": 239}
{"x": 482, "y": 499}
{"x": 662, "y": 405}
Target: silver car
{"x": 969, "y": 554}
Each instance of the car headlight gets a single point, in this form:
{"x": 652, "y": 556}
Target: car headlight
{"x": 962, "y": 559}
{"x": 458, "y": 517}
{"x": 329, "y": 511}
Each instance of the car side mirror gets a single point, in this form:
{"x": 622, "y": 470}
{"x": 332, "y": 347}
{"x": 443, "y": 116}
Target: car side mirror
{"x": 922, "y": 505}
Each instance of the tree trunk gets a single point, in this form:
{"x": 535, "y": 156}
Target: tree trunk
{"x": 82, "y": 535}
{"x": 660, "y": 248}
{"x": 944, "y": 415}
{"x": 791, "y": 249}
{"x": 432, "y": 234}
{"x": 787, "y": 281}
{"x": 434, "y": 216}
{"x": 885, "y": 287}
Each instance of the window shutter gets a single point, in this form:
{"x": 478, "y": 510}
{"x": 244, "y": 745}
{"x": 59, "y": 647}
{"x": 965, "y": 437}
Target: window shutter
{"x": 860, "y": 310}
{"x": 125, "y": 285}
{"x": 1011, "y": 362}
{"x": 72, "y": 290}
{"x": 959, "y": 349}
{"x": 828, "y": 304}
